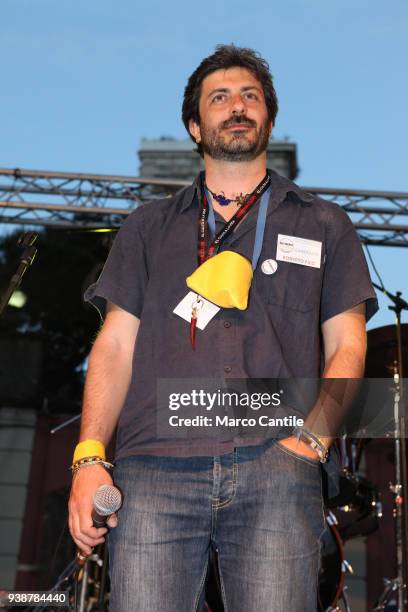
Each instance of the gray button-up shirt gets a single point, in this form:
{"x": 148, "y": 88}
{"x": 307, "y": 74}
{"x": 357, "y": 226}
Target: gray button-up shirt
{"x": 277, "y": 336}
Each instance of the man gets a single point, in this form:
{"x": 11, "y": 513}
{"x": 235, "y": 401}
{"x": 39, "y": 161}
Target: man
{"x": 256, "y": 505}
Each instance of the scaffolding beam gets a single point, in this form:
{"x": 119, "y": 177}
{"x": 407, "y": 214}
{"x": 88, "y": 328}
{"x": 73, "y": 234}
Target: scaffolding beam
{"x": 97, "y": 201}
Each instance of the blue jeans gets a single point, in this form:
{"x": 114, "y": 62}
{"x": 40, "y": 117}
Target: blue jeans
{"x": 260, "y": 507}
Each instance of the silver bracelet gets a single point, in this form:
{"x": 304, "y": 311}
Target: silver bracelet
{"x": 313, "y": 441}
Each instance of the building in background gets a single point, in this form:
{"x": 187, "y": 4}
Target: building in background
{"x": 172, "y": 158}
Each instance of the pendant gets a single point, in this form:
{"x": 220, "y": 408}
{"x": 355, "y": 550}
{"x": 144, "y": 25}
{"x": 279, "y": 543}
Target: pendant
{"x": 222, "y": 200}
{"x": 196, "y": 306}
{"x": 193, "y": 327}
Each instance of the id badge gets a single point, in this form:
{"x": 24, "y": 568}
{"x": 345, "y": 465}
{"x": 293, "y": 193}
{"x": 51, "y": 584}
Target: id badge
{"x": 205, "y": 310}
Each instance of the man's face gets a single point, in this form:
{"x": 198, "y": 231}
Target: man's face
{"x": 234, "y": 123}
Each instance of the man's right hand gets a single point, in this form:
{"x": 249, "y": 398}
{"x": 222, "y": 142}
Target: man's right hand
{"x": 84, "y": 485}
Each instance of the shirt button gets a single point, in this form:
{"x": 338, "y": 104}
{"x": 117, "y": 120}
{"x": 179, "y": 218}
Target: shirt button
{"x": 227, "y": 324}
{"x": 227, "y": 369}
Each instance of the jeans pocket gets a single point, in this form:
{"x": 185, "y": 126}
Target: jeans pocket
{"x": 297, "y": 456}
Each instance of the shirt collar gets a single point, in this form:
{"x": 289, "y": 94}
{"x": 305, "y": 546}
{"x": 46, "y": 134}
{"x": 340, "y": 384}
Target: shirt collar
{"x": 281, "y": 186}
{"x": 187, "y": 195}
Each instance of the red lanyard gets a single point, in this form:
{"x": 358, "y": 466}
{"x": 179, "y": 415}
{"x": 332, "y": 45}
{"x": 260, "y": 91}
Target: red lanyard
{"x": 205, "y": 250}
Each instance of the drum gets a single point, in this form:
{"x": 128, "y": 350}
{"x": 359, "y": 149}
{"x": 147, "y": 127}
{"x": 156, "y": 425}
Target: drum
{"x": 357, "y": 507}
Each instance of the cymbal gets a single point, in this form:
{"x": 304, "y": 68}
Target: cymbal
{"x": 382, "y": 351}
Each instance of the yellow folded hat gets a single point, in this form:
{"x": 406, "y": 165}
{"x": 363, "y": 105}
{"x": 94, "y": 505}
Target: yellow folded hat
{"x": 224, "y": 279}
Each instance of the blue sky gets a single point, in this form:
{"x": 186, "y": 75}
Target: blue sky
{"x": 83, "y": 82}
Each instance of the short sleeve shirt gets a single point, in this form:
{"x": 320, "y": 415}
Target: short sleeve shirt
{"x": 277, "y": 336}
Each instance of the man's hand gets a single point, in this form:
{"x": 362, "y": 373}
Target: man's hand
{"x": 84, "y": 485}
{"x": 299, "y": 448}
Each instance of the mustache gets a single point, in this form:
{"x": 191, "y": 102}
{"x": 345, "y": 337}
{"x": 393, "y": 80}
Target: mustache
{"x": 238, "y": 120}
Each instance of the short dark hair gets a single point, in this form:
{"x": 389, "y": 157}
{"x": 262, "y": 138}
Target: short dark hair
{"x": 227, "y": 56}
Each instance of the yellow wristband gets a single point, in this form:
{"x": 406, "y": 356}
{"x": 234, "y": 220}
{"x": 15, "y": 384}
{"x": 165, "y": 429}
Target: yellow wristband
{"x": 89, "y": 448}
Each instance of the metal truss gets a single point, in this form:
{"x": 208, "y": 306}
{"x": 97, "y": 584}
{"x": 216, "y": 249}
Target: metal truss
{"x": 97, "y": 201}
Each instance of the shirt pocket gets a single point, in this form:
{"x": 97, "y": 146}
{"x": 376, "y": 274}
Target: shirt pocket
{"x": 292, "y": 286}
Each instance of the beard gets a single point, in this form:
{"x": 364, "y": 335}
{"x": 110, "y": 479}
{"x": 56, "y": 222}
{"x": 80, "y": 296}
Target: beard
{"x": 235, "y": 146}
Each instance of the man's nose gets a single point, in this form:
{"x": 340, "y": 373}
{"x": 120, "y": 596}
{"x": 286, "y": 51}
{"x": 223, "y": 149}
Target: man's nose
{"x": 238, "y": 105}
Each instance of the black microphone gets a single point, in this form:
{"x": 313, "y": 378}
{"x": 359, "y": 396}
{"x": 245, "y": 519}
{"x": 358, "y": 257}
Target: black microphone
{"x": 106, "y": 501}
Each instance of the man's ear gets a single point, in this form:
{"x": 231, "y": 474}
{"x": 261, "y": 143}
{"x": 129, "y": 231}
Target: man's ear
{"x": 195, "y": 131}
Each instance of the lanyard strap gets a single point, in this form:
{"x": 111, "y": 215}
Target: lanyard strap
{"x": 260, "y": 228}
{"x": 260, "y": 224}
{"x": 204, "y": 251}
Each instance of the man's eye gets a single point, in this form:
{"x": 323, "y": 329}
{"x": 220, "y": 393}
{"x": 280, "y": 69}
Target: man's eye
{"x": 219, "y": 98}
{"x": 251, "y": 96}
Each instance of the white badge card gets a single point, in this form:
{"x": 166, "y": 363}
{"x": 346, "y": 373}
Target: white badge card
{"x": 205, "y": 310}
{"x": 299, "y": 251}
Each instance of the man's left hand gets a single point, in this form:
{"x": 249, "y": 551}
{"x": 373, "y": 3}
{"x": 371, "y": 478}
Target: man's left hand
{"x": 299, "y": 447}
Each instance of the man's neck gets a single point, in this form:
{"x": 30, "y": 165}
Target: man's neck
{"x": 234, "y": 178}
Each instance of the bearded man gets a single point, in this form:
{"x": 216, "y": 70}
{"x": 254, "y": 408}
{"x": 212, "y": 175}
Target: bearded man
{"x": 255, "y": 505}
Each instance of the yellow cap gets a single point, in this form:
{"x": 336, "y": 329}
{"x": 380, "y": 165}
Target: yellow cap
{"x": 224, "y": 279}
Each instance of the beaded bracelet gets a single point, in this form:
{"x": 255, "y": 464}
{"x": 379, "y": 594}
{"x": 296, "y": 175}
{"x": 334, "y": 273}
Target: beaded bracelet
{"x": 90, "y": 461}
